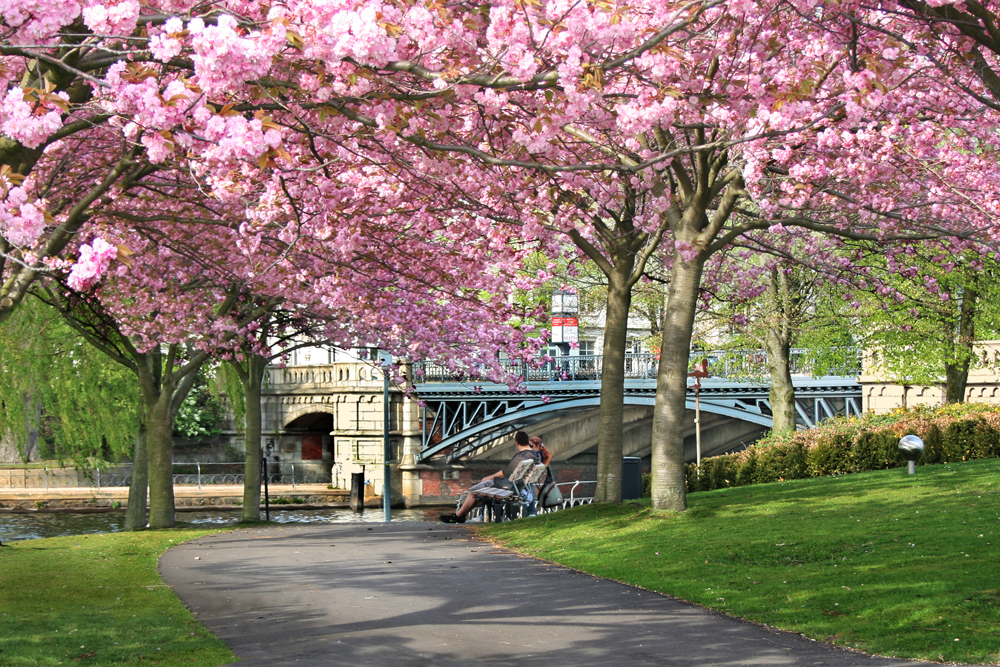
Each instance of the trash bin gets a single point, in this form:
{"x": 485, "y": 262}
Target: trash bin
{"x": 631, "y": 478}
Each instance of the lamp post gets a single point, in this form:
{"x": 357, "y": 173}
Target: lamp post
{"x": 700, "y": 371}
{"x": 385, "y": 360}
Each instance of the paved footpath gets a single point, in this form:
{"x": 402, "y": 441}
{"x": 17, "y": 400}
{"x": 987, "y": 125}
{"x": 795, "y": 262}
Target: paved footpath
{"x": 408, "y": 594}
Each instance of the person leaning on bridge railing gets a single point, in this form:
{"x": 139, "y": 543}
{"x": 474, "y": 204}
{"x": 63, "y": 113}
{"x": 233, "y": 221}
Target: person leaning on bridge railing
{"x": 524, "y": 453}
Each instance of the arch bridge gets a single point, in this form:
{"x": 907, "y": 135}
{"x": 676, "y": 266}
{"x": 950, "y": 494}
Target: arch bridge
{"x": 462, "y": 421}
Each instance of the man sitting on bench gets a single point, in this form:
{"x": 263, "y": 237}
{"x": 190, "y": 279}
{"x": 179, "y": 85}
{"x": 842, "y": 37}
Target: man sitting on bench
{"x": 524, "y": 453}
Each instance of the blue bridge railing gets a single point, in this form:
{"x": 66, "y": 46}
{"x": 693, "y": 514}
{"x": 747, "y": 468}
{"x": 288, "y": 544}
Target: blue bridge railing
{"x": 745, "y": 365}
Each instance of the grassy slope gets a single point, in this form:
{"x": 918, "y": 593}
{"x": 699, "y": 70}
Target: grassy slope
{"x": 884, "y": 562}
{"x": 98, "y": 600}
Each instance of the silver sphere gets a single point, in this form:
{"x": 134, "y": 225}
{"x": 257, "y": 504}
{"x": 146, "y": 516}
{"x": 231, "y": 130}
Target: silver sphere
{"x": 911, "y": 447}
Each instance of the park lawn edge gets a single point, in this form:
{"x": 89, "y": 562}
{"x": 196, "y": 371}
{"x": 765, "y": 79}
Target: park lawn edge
{"x": 114, "y": 608}
{"x": 868, "y": 528}
{"x": 504, "y": 545}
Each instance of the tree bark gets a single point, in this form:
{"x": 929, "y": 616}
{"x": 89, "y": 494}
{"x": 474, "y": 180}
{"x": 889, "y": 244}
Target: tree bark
{"x": 782, "y": 394}
{"x": 159, "y": 443}
{"x": 786, "y": 302}
{"x": 135, "y": 513}
{"x": 956, "y": 377}
{"x": 669, "y": 415}
{"x": 609, "y": 429}
{"x": 163, "y": 390}
{"x": 256, "y": 367}
{"x": 956, "y": 373}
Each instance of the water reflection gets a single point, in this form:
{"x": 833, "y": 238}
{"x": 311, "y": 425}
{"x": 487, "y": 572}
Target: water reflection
{"x": 15, "y": 527}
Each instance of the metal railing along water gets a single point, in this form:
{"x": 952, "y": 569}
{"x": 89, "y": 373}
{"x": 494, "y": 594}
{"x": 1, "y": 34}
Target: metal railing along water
{"x": 184, "y": 474}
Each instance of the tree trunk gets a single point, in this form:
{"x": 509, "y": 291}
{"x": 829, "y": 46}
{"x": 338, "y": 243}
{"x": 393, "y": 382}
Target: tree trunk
{"x": 33, "y": 421}
{"x": 782, "y": 395}
{"x": 669, "y": 415}
{"x": 256, "y": 366}
{"x": 159, "y": 444}
{"x": 956, "y": 373}
{"x": 956, "y": 377}
{"x": 609, "y": 429}
{"x": 135, "y": 513}
{"x": 163, "y": 390}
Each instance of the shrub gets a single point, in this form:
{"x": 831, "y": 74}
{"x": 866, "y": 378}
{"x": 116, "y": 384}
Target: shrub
{"x": 985, "y": 441}
{"x": 830, "y": 456}
{"x": 876, "y": 450}
{"x": 933, "y": 445}
{"x": 746, "y": 468}
{"x": 856, "y": 444}
{"x": 957, "y": 437}
{"x": 691, "y": 479}
{"x": 716, "y": 472}
{"x": 775, "y": 464}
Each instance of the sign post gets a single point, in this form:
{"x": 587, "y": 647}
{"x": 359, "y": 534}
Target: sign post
{"x": 385, "y": 360}
{"x": 565, "y": 324}
{"x": 700, "y": 371}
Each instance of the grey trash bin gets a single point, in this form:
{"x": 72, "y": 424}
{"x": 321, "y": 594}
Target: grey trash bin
{"x": 631, "y": 478}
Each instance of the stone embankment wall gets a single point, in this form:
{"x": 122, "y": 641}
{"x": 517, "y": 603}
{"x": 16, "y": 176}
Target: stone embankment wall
{"x": 90, "y": 498}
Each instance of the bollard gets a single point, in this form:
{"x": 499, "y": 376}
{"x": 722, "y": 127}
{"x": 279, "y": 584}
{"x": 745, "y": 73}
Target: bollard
{"x": 358, "y": 491}
{"x": 293, "y": 477}
{"x": 267, "y": 494}
{"x": 911, "y": 447}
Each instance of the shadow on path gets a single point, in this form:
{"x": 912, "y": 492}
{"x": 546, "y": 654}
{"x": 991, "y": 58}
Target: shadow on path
{"x": 407, "y": 594}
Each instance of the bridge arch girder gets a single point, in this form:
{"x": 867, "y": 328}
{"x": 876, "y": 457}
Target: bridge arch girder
{"x": 479, "y": 435}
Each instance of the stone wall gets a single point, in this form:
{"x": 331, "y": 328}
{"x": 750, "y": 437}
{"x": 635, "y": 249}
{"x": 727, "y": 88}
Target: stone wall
{"x": 879, "y": 394}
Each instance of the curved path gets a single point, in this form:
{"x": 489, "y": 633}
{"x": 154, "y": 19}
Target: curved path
{"x": 407, "y": 594}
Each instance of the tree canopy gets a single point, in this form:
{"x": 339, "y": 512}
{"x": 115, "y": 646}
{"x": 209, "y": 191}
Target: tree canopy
{"x": 387, "y": 164}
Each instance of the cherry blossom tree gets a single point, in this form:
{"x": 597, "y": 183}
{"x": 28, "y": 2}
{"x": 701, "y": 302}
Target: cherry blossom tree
{"x": 618, "y": 126}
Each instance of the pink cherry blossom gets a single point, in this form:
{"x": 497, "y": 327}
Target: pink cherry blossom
{"x": 93, "y": 262}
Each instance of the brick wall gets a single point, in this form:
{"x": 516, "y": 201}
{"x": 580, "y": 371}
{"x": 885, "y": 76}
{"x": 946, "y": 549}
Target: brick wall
{"x": 436, "y": 489}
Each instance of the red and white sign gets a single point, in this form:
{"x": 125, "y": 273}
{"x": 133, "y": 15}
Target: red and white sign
{"x": 565, "y": 330}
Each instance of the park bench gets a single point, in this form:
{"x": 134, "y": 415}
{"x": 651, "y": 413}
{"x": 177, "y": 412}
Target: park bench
{"x": 503, "y": 503}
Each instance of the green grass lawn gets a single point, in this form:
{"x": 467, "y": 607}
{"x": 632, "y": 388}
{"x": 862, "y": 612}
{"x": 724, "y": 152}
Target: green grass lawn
{"x": 98, "y": 600}
{"x": 888, "y": 563}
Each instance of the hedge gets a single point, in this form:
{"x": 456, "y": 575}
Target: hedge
{"x": 857, "y": 444}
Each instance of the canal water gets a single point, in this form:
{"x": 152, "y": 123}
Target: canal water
{"x": 33, "y": 525}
